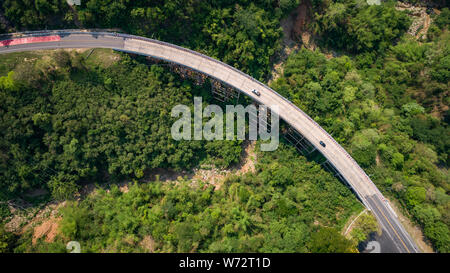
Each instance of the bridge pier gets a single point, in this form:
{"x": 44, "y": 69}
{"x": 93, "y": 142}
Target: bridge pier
{"x": 224, "y": 93}
{"x": 265, "y": 112}
{"x": 299, "y": 141}
{"x": 188, "y": 73}
{"x": 329, "y": 167}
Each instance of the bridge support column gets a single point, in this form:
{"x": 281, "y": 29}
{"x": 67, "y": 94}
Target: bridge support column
{"x": 329, "y": 167}
{"x": 264, "y": 111}
{"x": 188, "y": 73}
{"x": 223, "y": 92}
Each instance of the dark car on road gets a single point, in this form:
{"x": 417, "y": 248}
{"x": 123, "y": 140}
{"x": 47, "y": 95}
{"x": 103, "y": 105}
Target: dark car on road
{"x": 322, "y": 143}
{"x": 256, "y": 92}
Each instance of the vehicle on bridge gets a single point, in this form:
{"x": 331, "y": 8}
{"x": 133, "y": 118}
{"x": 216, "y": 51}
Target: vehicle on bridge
{"x": 256, "y": 92}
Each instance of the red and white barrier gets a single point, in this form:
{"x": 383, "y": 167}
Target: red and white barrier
{"x": 29, "y": 40}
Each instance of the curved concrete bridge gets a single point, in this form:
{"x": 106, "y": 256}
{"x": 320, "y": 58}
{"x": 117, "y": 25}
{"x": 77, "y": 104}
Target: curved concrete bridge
{"x": 347, "y": 167}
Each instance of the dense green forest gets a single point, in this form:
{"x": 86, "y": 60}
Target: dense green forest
{"x": 81, "y": 119}
{"x": 67, "y": 120}
{"x": 385, "y": 115}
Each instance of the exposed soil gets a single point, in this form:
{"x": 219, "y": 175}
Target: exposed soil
{"x": 148, "y": 244}
{"x": 440, "y": 109}
{"x": 49, "y": 229}
{"x": 377, "y": 159}
{"x": 207, "y": 174}
{"x": 44, "y": 221}
{"x": 75, "y": 16}
{"x": 421, "y": 20}
{"x": 302, "y": 19}
{"x": 124, "y": 188}
{"x": 295, "y": 35}
{"x": 216, "y": 177}
{"x": 249, "y": 159}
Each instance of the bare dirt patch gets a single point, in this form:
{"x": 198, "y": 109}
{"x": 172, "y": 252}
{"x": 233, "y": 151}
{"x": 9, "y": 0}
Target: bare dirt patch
{"x": 124, "y": 188}
{"x": 295, "y": 35}
{"x": 148, "y": 244}
{"x": 288, "y": 47}
{"x": 421, "y": 20}
{"x": 303, "y": 16}
{"x": 207, "y": 174}
{"x": 43, "y": 221}
{"x": 212, "y": 176}
{"x": 78, "y": 50}
{"x": 377, "y": 159}
{"x": 249, "y": 159}
{"x": 216, "y": 176}
{"x": 440, "y": 108}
